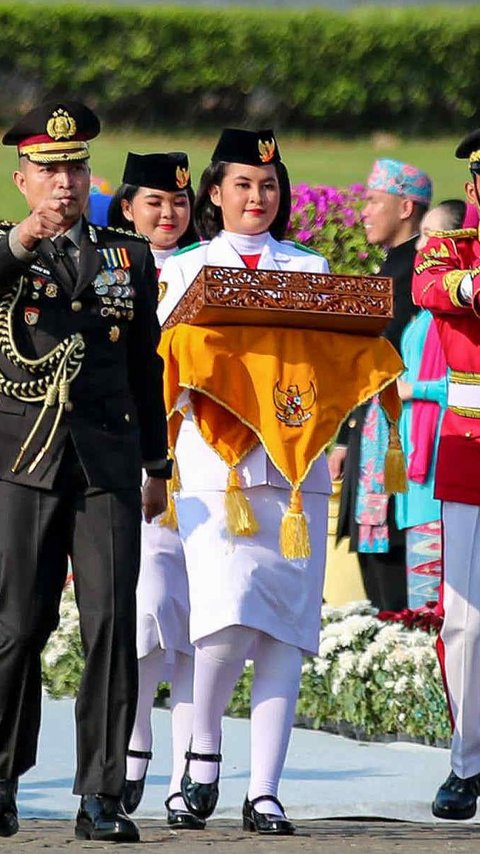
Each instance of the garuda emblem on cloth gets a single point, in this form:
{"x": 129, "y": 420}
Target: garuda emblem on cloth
{"x": 293, "y": 405}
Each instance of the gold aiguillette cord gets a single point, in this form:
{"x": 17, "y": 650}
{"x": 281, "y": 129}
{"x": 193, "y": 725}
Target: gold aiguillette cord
{"x": 59, "y": 388}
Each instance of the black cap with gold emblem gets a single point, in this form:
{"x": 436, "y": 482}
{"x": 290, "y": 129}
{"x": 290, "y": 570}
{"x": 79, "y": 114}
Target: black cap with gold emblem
{"x": 470, "y": 147}
{"x": 54, "y": 131}
{"x": 252, "y": 147}
{"x": 170, "y": 171}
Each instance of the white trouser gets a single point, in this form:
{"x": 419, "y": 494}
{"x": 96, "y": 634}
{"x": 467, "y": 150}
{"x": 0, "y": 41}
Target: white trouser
{"x": 461, "y": 631}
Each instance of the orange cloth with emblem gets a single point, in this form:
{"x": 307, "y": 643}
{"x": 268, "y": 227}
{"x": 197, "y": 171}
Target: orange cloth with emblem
{"x": 290, "y": 389}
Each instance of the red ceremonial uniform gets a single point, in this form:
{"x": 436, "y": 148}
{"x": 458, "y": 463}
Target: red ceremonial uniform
{"x": 440, "y": 267}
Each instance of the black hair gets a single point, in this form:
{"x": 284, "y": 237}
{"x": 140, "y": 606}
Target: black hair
{"x": 454, "y": 210}
{"x": 208, "y": 217}
{"x": 419, "y": 211}
{"x": 127, "y": 192}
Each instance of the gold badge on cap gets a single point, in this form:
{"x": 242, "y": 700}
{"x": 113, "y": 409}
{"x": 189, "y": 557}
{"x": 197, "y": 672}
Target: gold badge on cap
{"x": 182, "y": 177}
{"x": 114, "y": 334}
{"x": 61, "y": 125}
{"x": 266, "y": 150}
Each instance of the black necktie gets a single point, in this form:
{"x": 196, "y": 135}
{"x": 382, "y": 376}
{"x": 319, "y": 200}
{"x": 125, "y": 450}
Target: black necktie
{"x": 62, "y": 245}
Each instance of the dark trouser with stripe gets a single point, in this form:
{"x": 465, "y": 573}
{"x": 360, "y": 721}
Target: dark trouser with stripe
{"x": 101, "y": 532}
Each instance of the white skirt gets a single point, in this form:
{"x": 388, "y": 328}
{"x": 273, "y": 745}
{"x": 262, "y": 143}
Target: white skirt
{"x": 162, "y": 593}
{"x": 244, "y": 580}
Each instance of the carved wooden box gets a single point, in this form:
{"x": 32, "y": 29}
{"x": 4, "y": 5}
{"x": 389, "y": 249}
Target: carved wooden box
{"x": 226, "y": 296}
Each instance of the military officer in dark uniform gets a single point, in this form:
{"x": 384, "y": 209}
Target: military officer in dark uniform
{"x": 81, "y": 410}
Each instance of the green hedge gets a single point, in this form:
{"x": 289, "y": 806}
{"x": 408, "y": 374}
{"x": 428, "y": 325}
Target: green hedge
{"x": 410, "y": 70}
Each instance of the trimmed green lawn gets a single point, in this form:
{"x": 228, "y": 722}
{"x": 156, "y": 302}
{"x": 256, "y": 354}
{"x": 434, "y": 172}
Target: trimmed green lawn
{"x": 314, "y": 160}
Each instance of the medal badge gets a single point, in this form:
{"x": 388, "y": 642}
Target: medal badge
{"x": 122, "y": 277}
{"x": 31, "y": 315}
{"x": 115, "y": 277}
{"x": 51, "y": 290}
{"x": 114, "y": 334}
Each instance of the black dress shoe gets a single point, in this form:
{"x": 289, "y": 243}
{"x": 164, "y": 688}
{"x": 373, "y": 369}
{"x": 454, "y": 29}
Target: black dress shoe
{"x": 457, "y": 798}
{"x": 200, "y": 798}
{"x": 8, "y": 807}
{"x": 133, "y": 789}
{"x": 103, "y": 818}
{"x": 182, "y": 819}
{"x": 267, "y": 823}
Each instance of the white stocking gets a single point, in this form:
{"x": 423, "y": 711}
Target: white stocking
{"x": 150, "y": 672}
{"x": 182, "y": 714}
{"x": 219, "y": 661}
{"x": 274, "y": 696}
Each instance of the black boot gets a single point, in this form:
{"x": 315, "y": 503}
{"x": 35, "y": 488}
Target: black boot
{"x": 457, "y": 798}
{"x": 200, "y": 798}
{"x": 103, "y": 818}
{"x": 182, "y": 819}
{"x": 267, "y": 823}
{"x": 8, "y": 807}
{"x": 133, "y": 789}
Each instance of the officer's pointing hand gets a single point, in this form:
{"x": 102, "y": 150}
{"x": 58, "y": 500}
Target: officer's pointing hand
{"x": 46, "y": 220}
{"x": 154, "y": 497}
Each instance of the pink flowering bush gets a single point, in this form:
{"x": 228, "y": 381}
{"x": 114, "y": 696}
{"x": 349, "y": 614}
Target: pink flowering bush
{"x": 329, "y": 220}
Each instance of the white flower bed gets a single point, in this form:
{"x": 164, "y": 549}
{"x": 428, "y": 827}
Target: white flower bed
{"x": 370, "y": 677}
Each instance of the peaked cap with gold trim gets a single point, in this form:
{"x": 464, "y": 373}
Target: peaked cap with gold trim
{"x": 54, "y": 131}
{"x": 470, "y": 147}
{"x": 252, "y": 147}
{"x": 169, "y": 172}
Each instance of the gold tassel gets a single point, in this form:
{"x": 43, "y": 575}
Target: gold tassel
{"x": 294, "y": 534}
{"x": 169, "y": 518}
{"x": 240, "y": 518}
{"x": 395, "y": 478}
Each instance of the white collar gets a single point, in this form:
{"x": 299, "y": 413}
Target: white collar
{"x": 246, "y": 244}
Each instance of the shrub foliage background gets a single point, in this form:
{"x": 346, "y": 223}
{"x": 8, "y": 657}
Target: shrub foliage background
{"x": 311, "y": 70}
{"x": 370, "y": 677}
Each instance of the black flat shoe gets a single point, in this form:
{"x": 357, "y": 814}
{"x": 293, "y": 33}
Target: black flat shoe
{"x": 267, "y": 823}
{"x": 200, "y": 798}
{"x": 182, "y": 819}
{"x": 103, "y": 818}
{"x": 8, "y": 807}
{"x": 133, "y": 789}
{"x": 457, "y": 798}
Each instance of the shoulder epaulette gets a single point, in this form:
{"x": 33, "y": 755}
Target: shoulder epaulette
{"x": 191, "y": 246}
{"x": 123, "y": 232}
{"x": 5, "y": 224}
{"x": 302, "y": 247}
{"x": 455, "y": 232}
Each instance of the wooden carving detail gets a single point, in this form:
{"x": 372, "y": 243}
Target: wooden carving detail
{"x": 222, "y": 294}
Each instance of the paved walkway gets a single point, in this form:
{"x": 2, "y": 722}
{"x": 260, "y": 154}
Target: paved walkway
{"x": 340, "y": 793}
{"x": 326, "y": 776}
{"x": 222, "y": 837}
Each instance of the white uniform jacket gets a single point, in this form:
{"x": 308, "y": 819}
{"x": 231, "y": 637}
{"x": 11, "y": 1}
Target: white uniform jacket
{"x": 206, "y": 471}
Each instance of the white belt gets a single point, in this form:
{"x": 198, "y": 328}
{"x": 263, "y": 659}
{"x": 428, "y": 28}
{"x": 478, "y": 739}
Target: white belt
{"x": 464, "y": 395}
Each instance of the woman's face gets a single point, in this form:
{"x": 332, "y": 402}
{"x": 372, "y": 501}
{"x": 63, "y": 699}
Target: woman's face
{"x": 160, "y": 215}
{"x": 249, "y": 197}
